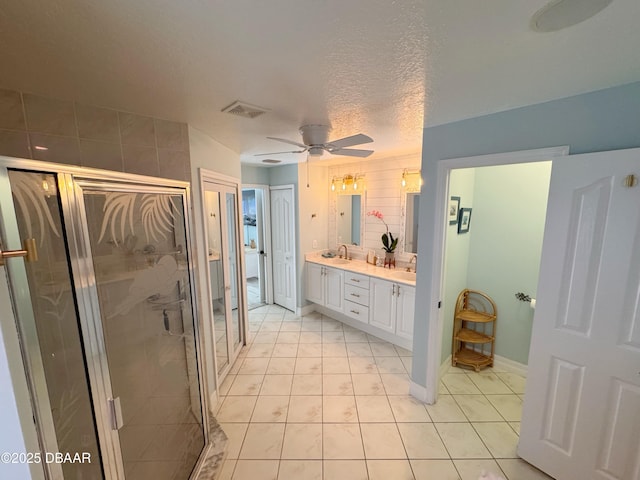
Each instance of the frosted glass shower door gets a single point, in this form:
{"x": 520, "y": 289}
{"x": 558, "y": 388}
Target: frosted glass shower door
{"x": 138, "y": 242}
{"x": 47, "y": 318}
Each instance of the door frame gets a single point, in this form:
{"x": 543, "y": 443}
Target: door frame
{"x": 87, "y": 305}
{"x": 435, "y": 315}
{"x": 266, "y": 233}
{"x": 209, "y": 176}
{"x": 290, "y": 187}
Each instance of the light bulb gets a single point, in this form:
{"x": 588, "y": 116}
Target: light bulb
{"x": 355, "y": 186}
{"x": 333, "y": 186}
{"x": 404, "y": 181}
{"x": 344, "y": 186}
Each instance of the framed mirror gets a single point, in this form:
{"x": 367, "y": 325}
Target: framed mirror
{"x": 412, "y": 200}
{"x": 349, "y": 219}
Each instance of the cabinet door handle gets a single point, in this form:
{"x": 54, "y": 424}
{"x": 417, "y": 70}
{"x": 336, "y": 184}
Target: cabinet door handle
{"x": 355, "y": 311}
{"x": 355, "y": 280}
{"x": 393, "y": 292}
{"x": 355, "y": 295}
{"x": 398, "y": 291}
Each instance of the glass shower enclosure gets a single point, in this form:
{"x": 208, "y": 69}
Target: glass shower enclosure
{"x": 105, "y": 311}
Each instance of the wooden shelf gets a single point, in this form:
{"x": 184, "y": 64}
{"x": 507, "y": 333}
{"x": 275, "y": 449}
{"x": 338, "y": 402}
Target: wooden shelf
{"x": 472, "y": 358}
{"x": 473, "y": 316}
{"x": 474, "y": 324}
{"x": 471, "y": 336}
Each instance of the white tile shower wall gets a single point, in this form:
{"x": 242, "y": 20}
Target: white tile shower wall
{"x": 75, "y": 134}
{"x": 384, "y": 192}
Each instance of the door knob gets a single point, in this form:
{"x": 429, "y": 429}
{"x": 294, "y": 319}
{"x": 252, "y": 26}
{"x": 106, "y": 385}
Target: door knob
{"x": 30, "y": 252}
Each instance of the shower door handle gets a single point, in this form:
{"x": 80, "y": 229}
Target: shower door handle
{"x": 115, "y": 412}
{"x": 30, "y": 252}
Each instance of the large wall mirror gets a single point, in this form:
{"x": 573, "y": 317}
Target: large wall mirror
{"x": 412, "y": 201}
{"x": 349, "y": 219}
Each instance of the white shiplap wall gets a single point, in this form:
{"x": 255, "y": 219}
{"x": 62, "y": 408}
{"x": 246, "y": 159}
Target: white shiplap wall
{"x": 384, "y": 193}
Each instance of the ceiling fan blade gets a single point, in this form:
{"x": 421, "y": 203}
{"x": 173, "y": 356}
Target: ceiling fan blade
{"x": 351, "y": 152}
{"x": 278, "y": 153}
{"x": 290, "y": 142}
{"x": 350, "y": 141}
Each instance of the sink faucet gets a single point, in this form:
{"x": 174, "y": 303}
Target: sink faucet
{"x": 414, "y": 259}
{"x": 345, "y": 251}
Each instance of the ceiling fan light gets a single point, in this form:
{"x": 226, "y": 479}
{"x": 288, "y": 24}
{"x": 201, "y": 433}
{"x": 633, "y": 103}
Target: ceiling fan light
{"x": 316, "y": 151}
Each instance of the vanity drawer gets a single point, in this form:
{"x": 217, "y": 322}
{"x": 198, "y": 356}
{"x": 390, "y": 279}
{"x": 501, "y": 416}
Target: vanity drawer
{"x": 356, "y": 294}
{"x": 356, "y": 280}
{"x": 358, "y": 312}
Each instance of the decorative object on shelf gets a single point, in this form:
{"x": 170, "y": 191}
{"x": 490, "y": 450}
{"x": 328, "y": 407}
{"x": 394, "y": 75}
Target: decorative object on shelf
{"x": 388, "y": 241}
{"x": 454, "y": 208}
{"x": 348, "y": 182}
{"x": 464, "y": 220}
{"x": 411, "y": 181}
{"x": 474, "y": 330}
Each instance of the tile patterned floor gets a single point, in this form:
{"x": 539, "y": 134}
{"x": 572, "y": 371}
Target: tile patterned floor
{"x": 313, "y": 399}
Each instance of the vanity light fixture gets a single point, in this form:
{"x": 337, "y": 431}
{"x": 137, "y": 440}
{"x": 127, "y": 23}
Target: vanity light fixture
{"x": 411, "y": 181}
{"x": 348, "y": 181}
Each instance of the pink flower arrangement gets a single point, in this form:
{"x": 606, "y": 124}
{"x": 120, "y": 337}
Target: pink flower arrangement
{"x": 379, "y": 216}
{"x": 388, "y": 241}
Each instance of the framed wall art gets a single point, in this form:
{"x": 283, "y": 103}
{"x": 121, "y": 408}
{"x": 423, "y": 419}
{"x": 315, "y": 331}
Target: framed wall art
{"x": 464, "y": 220}
{"x": 454, "y": 206}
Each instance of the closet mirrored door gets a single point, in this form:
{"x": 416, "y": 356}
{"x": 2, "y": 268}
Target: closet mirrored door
{"x": 227, "y": 303}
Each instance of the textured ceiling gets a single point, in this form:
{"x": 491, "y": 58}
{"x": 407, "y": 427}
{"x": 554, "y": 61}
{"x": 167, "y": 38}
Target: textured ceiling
{"x": 385, "y": 68}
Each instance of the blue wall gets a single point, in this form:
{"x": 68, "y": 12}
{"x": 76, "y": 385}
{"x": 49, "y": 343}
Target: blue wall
{"x": 597, "y": 121}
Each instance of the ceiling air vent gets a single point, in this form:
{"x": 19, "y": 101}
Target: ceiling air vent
{"x": 245, "y": 110}
{"x": 271, "y": 160}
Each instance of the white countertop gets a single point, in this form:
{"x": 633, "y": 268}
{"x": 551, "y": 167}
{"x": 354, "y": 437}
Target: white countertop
{"x": 398, "y": 275}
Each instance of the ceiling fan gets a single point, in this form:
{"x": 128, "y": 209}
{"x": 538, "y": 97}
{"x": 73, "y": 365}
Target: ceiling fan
{"x": 314, "y": 141}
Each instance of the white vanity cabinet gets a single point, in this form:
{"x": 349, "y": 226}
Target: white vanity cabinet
{"x": 392, "y": 307}
{"x": 364, "y": 299}
{"x": 325, "y": 286}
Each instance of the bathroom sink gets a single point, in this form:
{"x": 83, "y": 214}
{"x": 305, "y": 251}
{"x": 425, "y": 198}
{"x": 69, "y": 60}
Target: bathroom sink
{"x": 403, "y": 275}
{"x": 338, "y": 261}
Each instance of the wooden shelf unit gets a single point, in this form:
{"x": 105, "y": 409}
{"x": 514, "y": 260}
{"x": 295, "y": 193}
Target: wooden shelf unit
{"x": 474, "y": 330}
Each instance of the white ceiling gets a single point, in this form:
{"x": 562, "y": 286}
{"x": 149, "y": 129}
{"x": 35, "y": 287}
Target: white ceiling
{"x": 381, "y": 67}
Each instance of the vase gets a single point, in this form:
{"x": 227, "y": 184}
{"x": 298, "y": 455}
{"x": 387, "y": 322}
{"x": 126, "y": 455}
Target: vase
{"x": 389, "y": 259}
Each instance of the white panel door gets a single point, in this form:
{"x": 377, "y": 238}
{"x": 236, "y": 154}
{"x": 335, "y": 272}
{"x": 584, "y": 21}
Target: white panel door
{"x": 283, "y": 246}
{"x": 581, "y": 415}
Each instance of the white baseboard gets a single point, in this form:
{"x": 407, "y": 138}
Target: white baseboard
{"x": 306, "y": 310}
{"x": 418, "y": 392}
{"x": 512, "y": 366}
{"x": 499, "y": 363}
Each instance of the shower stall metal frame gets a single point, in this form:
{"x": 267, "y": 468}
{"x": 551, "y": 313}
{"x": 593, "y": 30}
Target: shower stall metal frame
{"x": 71, "y": 180}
